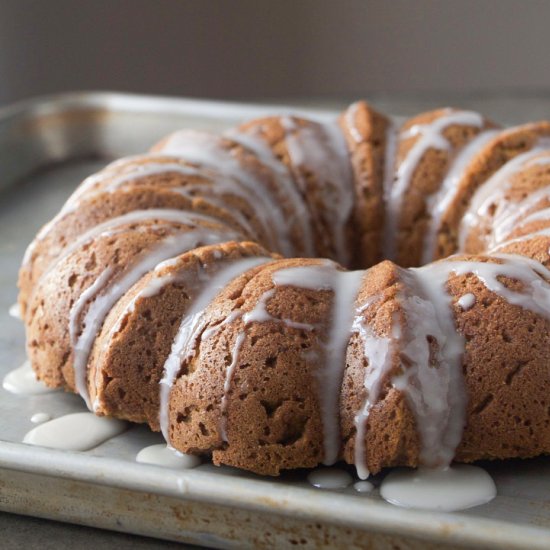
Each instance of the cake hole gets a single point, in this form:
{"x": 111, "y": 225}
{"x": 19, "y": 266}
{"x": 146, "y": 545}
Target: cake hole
{"x": 294, "y": 431}
{"x": 147, "y": 315}
{"x": 116, "y": 256}
{"x": 515, "y": 371}
{"x": 204, "y": 430}
{"x": 91, "y": 263}
{"x": 486, "y": 401}
{"x": 270, "y": 407}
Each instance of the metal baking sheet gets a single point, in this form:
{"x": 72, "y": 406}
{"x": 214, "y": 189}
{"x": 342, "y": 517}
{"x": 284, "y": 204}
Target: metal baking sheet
{"x": 47, "y": 147}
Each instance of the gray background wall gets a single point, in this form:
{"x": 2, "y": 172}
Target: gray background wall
{"x": 270, "y": 49}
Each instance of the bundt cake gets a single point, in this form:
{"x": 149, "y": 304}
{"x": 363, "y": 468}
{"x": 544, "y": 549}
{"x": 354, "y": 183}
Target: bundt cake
{"x": 182, "y": 288}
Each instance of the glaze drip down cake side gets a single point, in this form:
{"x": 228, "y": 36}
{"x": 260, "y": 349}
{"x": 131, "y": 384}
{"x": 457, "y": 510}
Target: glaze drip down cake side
{"x": 292, "y": 292}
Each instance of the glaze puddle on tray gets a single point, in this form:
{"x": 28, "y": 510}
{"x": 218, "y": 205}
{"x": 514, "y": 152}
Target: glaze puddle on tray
{"x": 455, "y": 488}
{"x": 40, "y": 418}
{"x": 75, "y": 432}
{"x": 14, "y": 311}
{"x": 329, "y": 478}
{"x": 363, "y": 486}
{"x": 22, "y": 381}
{"x": 161, "y": 455}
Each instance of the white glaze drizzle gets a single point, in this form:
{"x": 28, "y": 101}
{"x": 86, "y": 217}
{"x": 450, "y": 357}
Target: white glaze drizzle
{"x": 135, "y": 216}
{"x": 112, "y": 170}
{"x": 153, "y": 287}
{"x": 121, "y": 171}
{"x": 345, "y": 285}
{"x": 439, "y": 202}
{"x": 456, "y": 488}
{"x": 148, "y": 169}
{"x": 70, "y": 206}
{"x": 23, "y": 381}
{"x": 260, "y": 314}
{"x": 349, "y": 118}
{"x": 220, "y": 187}
{"x": 510, "y": 215}
{"x": 321, "y": 149}
{"x": 162, "y": 455}
{"x": 466, "y": 301}
{"x": 430, "y": 137}
{"x": 540, "y": 215}
{"x": 190, "y": 329}
{"x": 523, "y": 238}
{"x": 329, "y": 478}
{"x": 532, "y": 274}
{"x": 211, "y": 181}
{"x": 216, "y": 184}
{"x": 433, "y": 385}
{"x": 74, "y": 318}
{"x": 431, "y": 282}
{"x": 207, "y": 149}
{"x": 75, "y": 432}
{"x": 378, "y": 352}
{"x": 106, "y": 292}
{"x": 265, "y": 155}
{"x": 492, "y": 190}
{"x": 210, "y": 331}
{"x": 437, "y": 395}
{"x": 389, "y": 163}
{"x": 230, "y": 371}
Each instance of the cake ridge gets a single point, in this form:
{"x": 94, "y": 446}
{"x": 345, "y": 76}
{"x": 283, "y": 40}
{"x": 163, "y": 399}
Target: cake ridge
{"x": 190, "y": 328}
{"x": 439, "y": 201}
{"x": 496, "y": 184}
{"x": 428, "y": 136}
{"x": 345, "y": 287}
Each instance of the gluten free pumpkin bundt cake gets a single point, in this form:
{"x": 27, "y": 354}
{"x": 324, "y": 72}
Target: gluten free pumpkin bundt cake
{"x": 181, "y": 288}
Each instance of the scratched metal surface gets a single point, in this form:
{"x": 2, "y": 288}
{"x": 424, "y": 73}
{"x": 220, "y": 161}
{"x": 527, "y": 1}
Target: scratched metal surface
{"x": 46, "y": 148}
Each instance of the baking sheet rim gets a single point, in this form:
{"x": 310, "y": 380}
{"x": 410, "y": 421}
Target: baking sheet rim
{"x": 360, "y": 513}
